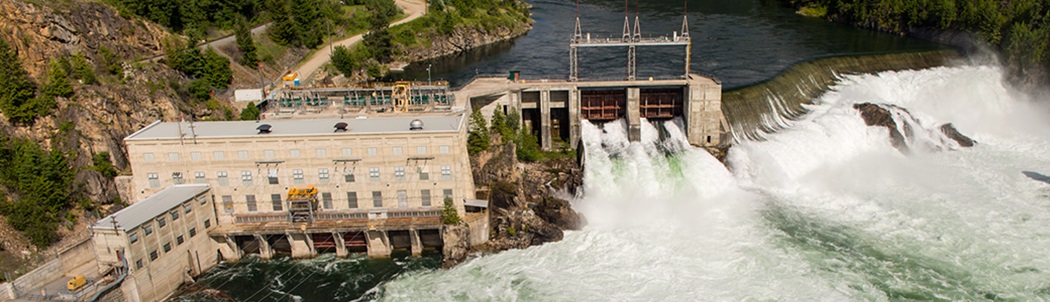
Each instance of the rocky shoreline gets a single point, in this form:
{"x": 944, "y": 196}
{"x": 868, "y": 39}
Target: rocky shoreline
{"x": 524, "y": 206}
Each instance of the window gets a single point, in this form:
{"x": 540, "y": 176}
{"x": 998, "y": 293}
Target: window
{"x": 320, "y": 152}
{"x": 322, "y": 175}
{"x": 154, "y": 180}
{"x": 203, "y": 199}
{"x": 399, "y": 173}
{"x": 397, "y": 151}
{"x": 207, "y": 223}
{"x": 227, "y": 204}
{"x": 195, "y": 155}
{"x": 377, "y": 199}
{"x": 297, "y": 176}
{"x": 421, "y": 150}
{"x": 218, "y": 155}
{"x": 424, "y": 196}
{"x": 443, "y": 149}
{"x": 250, "y": 201}
{"x": 326, "y": 200}
{"x": 242, "y": 154}
{"x": 173, "y": 156}
{"x": 277, "y": 207}
{"x": 246, "y": 177}
{"x": 153, "y": 255}
{"x": 294, "y": 153}
{"x": 348, "y": 174}
{"x": 176, "y": 178}
{"x": 402, "y": 199}
{"x": 187, "y": 208}
{"x": 271, "y": 176}
{"x": 167, "y": 247}
{"x": 223, "y": 180}
{"x": 161, "y": 222}
{"x": 424, "y": 173}
{"x": 347, "y": 152}
{"x": 351, "y": 200}
{"x": 268, "y": 154}
{"x": 133, "y": 237}
{"x": 179, "y": 240}
{"x": 175, "y": 215}
{"x": 148, "y": 229}
{"x": 447, "y": 194}
{"x": 138, "y": 264}
{"x": 193, "y": 232}
{"x": 446, "y": 172}
{"x": 198, "y": 177}
{"x": 373, "y": 174}
{"x": 147, "y": 156}
{"x": 372, "y": 151}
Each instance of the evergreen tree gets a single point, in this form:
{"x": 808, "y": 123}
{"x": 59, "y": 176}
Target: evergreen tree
{"x": 246, "y": 45}
{"x": 57, "y": 82}
{"x": 250, "y": 112}
{"x": 82, "y": 70}
{"x": 17, "y": 92}
{"x": 478, "y": 138}
{"x": 344, "y": 61}
{"x": 528, "y": 146}
{"x": 449, "y": 215}
{"x": 283, "y": 29}
{"x": 217, "y": 69}
{"x": 499, "y": 123}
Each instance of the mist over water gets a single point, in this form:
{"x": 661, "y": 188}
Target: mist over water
{"x": 826, "y": 210}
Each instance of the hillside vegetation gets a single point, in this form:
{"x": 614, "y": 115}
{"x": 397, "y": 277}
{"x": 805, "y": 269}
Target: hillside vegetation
{"x": 1019, "y": 29}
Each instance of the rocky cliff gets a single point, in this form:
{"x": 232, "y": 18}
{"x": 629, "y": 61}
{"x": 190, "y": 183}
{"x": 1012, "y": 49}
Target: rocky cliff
{"x": 99, "y": 115}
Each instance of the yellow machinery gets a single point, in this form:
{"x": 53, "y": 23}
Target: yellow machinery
{"x": 302, "y": 202}
{"x": 76, "y": 283}
{"x": 401, "y": 95}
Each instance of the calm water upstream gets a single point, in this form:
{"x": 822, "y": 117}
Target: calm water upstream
{"x": 739, "y": 41}
{"x": 824, "y": 210}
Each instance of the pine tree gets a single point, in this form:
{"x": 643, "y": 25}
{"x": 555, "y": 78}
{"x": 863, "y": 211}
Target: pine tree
{"x": 16, "y": 90}
{"x": 57, "y": 81}
{"x": 246, "y": 45}
{"x": 478, "y": 138}
{"x": 250, "y": 112}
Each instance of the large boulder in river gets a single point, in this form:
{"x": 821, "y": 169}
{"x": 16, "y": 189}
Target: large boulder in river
{"x": 903, "y": 128}
{"x": 456, "y": 244}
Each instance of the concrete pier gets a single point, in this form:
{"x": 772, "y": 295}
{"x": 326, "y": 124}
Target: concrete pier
{"x": 302, "y": 245}
{"x": 378, "y": 244}
{"x": 417, "y": 244}
{"x": 265, "y": 250}
{"x": 340, "y": 245}
{"x": 634, "y": 117}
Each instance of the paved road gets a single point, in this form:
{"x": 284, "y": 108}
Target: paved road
{"x": 309, "y": 66}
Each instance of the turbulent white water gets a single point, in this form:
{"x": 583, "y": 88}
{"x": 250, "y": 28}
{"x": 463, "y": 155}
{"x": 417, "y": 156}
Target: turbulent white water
{"x": 826, "y": 210}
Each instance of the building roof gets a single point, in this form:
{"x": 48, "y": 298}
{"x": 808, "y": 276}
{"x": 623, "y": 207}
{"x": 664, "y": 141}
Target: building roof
{"x": 297, "y": 127}
{"x": 154, "y": 205}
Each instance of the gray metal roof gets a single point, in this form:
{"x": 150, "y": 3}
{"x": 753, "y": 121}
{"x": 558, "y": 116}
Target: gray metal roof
{"x": 151, "y": 207}
{"x": 480, "y": 203}
{"x": 297, "y": 127}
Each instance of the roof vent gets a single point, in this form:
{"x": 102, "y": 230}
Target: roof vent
{"x": 415, "y": 125}
{"x": 340, "y": 127}
{"x": 263, "y": 129}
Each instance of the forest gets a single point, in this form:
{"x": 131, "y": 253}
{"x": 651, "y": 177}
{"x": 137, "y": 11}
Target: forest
{"x": 1019, "y": 29}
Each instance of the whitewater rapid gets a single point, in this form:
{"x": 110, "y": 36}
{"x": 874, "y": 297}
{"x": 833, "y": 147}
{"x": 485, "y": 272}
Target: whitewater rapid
{"x": 825, "y": 210}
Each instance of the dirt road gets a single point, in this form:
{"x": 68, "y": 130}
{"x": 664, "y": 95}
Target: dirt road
{"x": 309, "y": 66}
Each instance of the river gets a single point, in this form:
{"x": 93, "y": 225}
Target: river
{"x": 823, "y": 210}
{"x": 740, "y": 42}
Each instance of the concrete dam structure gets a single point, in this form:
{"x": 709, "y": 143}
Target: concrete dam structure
{"x": 553, "y": 109}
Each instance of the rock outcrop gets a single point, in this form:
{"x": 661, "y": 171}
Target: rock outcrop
{"x": 461, "y": 39}
{"x": 524, "y": 208}
{"x": 456, "y": 244}
{"x": 903, "y": 128}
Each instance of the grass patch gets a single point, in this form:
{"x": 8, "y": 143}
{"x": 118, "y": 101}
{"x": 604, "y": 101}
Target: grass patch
{"x": 813, "y": 10}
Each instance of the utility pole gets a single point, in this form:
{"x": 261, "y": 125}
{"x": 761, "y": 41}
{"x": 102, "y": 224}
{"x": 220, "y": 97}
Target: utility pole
{"x": 428, "y": 75}
{"x": 331, "y": 50}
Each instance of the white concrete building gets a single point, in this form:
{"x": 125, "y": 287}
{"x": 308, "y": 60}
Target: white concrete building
{"x": 163, "y": 239}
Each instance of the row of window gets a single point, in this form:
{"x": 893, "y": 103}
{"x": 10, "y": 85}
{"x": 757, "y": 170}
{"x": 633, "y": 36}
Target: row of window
{"x": 179, "y": 240}
{"x": 323, "y": 176}
{"x": 277, "y": 205}
{"x": 294, "y": 153}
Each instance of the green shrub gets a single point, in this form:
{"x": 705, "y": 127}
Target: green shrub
{"x": 449, "y": 215}
{"x": 250, "y": 112}
{"x": 57, "y": 81}
{"x": 528, "y": 147}
{"x": 101, "y": 162}
{"x": 82, "y": 70}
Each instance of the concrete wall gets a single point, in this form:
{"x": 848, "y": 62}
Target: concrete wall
{"x": 67, "y": 260}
